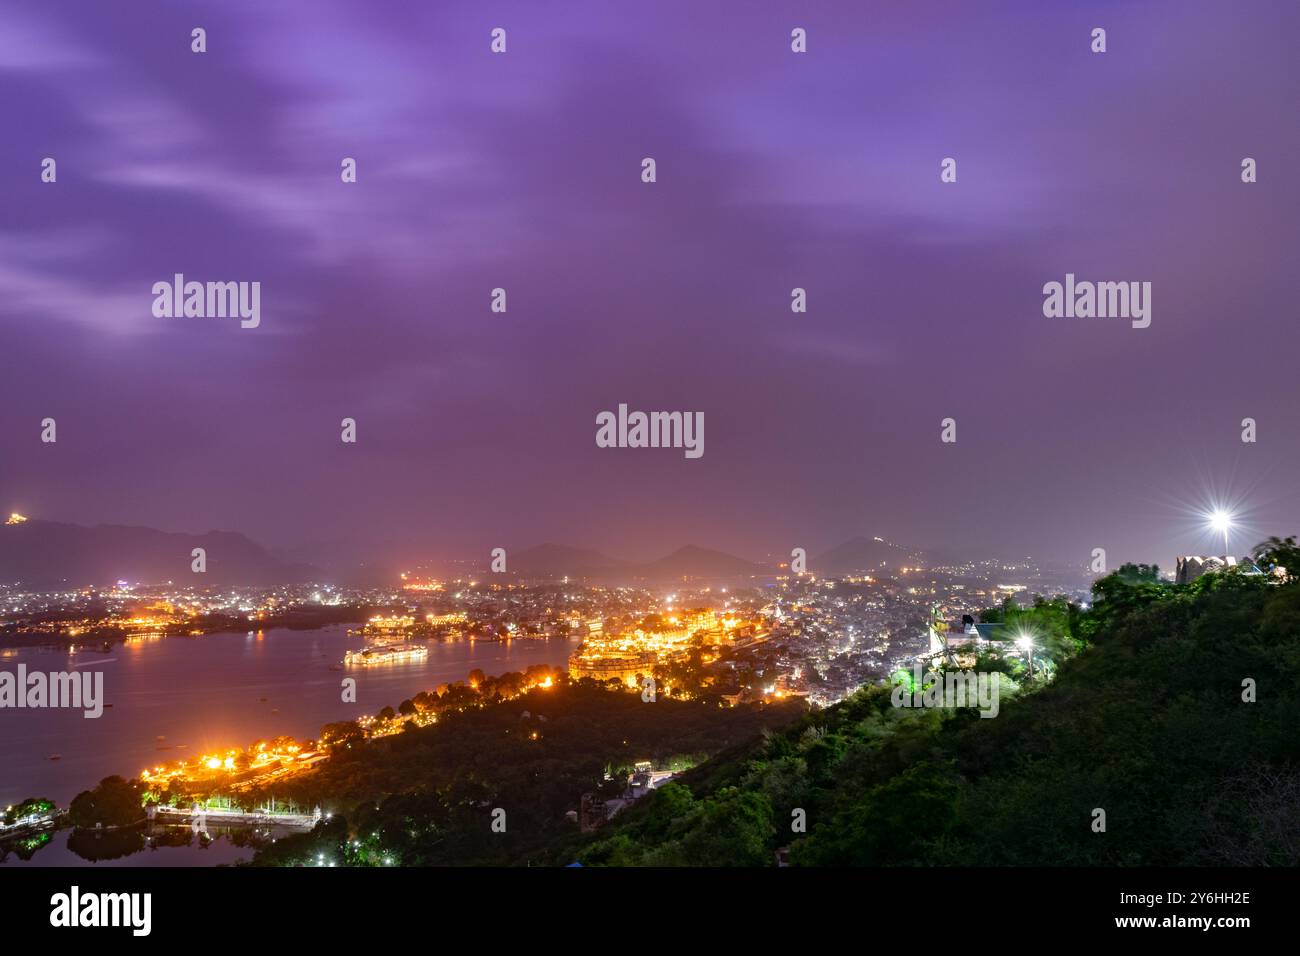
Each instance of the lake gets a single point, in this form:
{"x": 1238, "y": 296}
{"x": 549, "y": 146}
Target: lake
{"x": 216, "y": 691}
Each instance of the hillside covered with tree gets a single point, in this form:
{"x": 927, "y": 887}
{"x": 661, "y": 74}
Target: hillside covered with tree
{"x": 1170, "y": 708}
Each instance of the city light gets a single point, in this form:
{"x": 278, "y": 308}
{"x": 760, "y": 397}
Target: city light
{"x": 755, "y": 645}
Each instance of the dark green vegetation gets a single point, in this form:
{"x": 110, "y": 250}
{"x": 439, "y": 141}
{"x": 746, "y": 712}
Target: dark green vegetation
{"x": 115, "y": 802}
{"x": 32, "y": 806}
{"x": 1148, "y": 723}
{"x": 426, "y": 796}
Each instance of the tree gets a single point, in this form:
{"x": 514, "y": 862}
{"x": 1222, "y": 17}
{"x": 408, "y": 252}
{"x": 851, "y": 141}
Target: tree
{"x": 733, "y": 829}
{"x": 342, "y": 733}
{"x": 1117, "y": 594}
{"x": 890, "y": 824}
{"x": 32, "y": 806}
{"x": 669, "y": 803}
{"x": 1134, "y": 573}
{"x": 1279, "y": 553}
{"x": 115, "y": 802}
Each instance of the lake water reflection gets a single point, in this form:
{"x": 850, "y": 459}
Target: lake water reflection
{"x": 213, "y": 692}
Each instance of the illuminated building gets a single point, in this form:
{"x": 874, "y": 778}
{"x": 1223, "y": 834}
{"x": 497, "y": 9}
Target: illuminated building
{"x": 387, "y": 654}
{"x": 632, "y": 653}
{"x": 459, "y": 617}
{"x": 627, "y": 668}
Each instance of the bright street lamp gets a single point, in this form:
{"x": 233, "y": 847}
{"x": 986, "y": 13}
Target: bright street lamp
{"x": 1221, "y": 523}
{"x": 1026, "y": 644}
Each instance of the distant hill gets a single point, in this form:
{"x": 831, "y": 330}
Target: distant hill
{"x": 696, "y": 562}
{"x": 346, "y": 563}
{"x": 557, "y": 560}
{"x": 51, "y": 554}
{"x": 860, "y": 554}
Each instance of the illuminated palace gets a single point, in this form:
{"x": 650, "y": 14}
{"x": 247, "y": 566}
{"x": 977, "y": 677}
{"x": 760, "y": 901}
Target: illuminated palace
{"x": 629, "y": 655}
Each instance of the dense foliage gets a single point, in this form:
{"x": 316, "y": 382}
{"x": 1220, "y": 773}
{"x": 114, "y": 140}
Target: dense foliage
{"x": 427, "y": 796}
{"x": 114, "y": 802}
{"x": 1153, "y": 723}
{"x": 31, "y": 807}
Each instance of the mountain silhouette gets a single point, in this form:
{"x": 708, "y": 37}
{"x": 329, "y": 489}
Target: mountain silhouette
{"x": 863, "y": 554}
{"x": 52, "y": 554}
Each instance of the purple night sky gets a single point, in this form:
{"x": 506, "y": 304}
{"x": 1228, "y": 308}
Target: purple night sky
{"x": 775, "y": 170}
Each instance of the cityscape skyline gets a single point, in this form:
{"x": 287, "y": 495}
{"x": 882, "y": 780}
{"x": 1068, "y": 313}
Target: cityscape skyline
{"x": 445, "y": 437}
